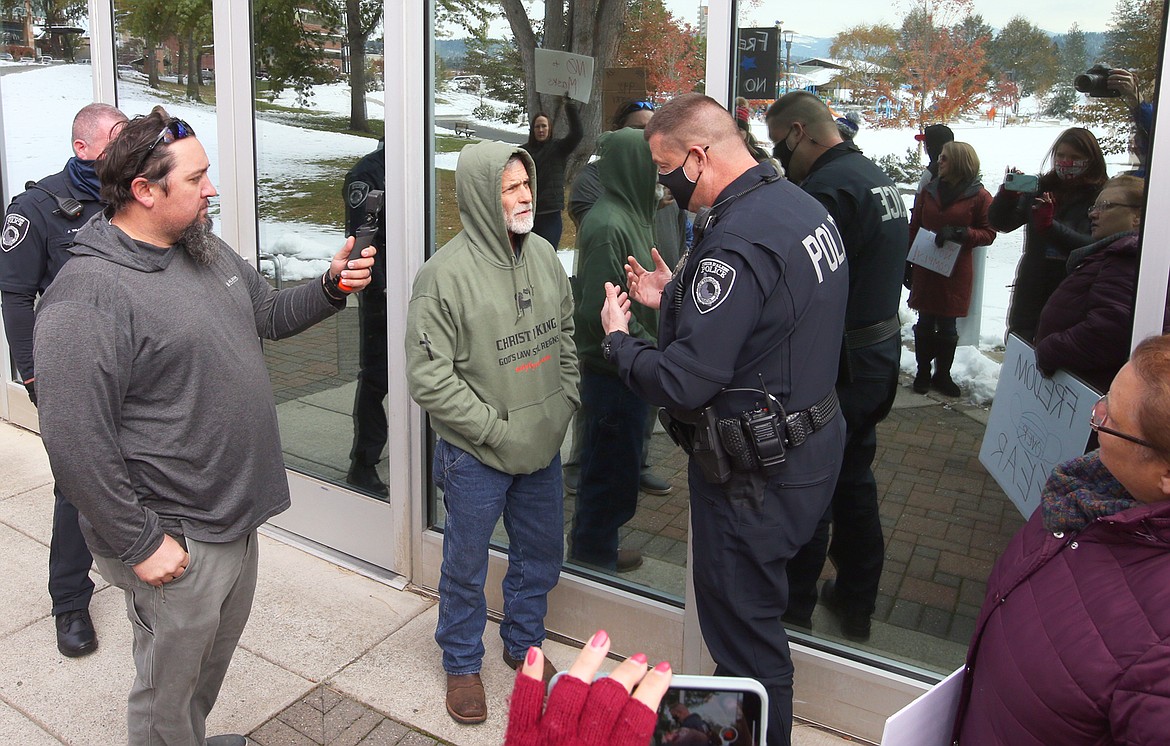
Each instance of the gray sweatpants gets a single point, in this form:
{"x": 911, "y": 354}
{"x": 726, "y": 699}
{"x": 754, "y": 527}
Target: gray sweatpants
{"x": 184, "y": 636}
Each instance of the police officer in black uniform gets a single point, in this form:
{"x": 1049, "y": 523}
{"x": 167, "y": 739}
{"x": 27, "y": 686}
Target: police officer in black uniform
{"x": 369, "y": 413}
{"x": 873, "y": 222}
{"x": 742, "y": 370}
{"x": 38, "y": 229}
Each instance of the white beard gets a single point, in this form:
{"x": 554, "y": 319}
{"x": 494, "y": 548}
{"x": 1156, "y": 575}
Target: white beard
{"x": 520, "y": 224}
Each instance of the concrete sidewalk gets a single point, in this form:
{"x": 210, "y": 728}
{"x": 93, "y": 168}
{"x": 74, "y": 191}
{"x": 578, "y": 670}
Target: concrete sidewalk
{"x": 329, "y": 656}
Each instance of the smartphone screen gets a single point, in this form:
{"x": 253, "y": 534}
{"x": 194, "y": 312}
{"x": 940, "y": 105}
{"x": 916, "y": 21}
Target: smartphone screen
{"x": 708, "y": 717}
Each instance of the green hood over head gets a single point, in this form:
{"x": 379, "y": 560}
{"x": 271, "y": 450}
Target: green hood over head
{"x": 478, "y": 181}
{"x": 628, "y": 171}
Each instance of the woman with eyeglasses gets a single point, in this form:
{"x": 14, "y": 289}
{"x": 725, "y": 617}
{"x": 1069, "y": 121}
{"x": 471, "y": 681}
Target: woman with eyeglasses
{"x": 1072, "y": 643}
{"x": 1055, "y": 222}
{"x": 953, "y": 205}
{"x": 1086, "y": 325}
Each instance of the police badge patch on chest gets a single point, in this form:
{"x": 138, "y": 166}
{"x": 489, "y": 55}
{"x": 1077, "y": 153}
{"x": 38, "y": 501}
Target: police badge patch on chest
{"x": 15, "y": 229}
{"x": 713, "y": 283}
{"x": 356, "y": 193}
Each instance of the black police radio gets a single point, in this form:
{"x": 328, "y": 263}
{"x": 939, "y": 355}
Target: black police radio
{"x": 67, "y": 206}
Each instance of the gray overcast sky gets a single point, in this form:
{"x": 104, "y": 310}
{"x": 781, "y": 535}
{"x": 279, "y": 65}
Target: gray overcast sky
{"x": 827, "y": 18}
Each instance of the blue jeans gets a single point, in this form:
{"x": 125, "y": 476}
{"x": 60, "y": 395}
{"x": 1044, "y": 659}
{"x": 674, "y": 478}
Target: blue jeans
{"x": 611, "y": 458}
{"x": 475, "y": 497}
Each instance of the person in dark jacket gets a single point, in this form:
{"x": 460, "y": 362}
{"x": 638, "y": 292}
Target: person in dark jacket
{"x": 1057, "y": 222}
{"x": 34, "y": 245}
{"x": 1087, "y": 324}
{"x": 933, "y": 138}
{"x": 550, "y": 156}
{"x": 1072, "y": 645}
{"x": 872, "y": 218}
{"x": 373, "y": 383}
{"x": 954, "y": 206}
{"x": 619, "y": 226}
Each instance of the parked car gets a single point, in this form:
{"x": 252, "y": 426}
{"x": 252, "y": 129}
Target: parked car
{"x": 6, "y": 57}
{"x": 45, "y": 59}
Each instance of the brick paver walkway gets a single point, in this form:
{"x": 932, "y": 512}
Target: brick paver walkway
{"x": 325, "y": 716}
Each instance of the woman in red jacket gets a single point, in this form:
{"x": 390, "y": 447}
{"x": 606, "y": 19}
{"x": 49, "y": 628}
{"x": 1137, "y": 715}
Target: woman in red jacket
{"x": 954, "y": 205}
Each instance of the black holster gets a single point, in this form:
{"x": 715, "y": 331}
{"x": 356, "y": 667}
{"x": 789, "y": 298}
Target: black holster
{"x": 701, "y": 442}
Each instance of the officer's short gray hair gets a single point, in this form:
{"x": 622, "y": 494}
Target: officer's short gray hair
{"x": 92, "y": 117}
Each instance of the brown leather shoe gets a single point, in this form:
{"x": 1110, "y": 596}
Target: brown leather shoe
{"x": 466, "y": 701}
{"x": 549, "y": 669}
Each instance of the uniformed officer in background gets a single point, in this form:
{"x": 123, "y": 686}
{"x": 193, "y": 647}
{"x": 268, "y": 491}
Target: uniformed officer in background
{"x": 873, "y": 222}
{"x": 742, "y": 369}
{"x": 369, "y": 412}
{"x": 38, "y": 229}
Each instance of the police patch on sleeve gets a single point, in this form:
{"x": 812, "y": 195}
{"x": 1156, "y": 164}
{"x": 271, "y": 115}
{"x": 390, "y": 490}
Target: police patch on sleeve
{"x": 356, "y": 193}
{"x": 713, "y": 283}
{"x": 15, "y": 229}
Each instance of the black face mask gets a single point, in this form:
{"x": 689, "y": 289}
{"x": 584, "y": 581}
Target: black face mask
{"x": 782, "y": 152}
{"x": 679, "y": 184}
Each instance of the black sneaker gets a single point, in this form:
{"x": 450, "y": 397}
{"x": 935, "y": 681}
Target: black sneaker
{"x": 854, "y": 625}
{"x": 75, "y": 633}
{"x": 652, "y": 484}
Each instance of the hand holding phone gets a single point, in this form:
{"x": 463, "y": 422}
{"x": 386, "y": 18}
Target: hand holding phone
{"x": 364, "y": 235}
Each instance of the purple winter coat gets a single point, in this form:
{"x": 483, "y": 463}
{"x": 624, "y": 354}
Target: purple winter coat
{"x": 1087, "y": 323}
{"x": 1072, "y": 646}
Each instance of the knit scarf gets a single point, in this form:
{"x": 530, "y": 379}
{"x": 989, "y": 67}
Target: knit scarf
{"x": 1080, "y": 491}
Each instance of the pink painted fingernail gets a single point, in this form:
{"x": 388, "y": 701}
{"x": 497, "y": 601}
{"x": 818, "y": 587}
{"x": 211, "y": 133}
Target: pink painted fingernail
{"x": 663, "y": 667}
{"x": 599, "y": 639}
{"x": 638, "y": 657}
{"x": 532, "y": 656}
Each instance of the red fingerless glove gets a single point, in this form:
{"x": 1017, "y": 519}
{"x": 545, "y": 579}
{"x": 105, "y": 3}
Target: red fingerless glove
{"x": 577, "y": 715}
{"x": 1042, "y": 214}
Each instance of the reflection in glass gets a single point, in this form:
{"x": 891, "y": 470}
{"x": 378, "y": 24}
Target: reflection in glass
{"x": 1004, "y": 85}
{"x": 479, "y": 94}
{"x": 318, "y": 158}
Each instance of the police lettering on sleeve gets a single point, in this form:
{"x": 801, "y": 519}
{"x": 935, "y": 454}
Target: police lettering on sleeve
{"x": 15, "y": 230}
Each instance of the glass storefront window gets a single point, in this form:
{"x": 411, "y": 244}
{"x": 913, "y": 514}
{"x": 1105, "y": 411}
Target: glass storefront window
{"x": 331, "y": 381}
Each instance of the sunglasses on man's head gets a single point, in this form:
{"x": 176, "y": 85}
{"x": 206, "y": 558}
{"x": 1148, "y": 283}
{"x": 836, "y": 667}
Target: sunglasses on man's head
{"x": 174, "y": 129}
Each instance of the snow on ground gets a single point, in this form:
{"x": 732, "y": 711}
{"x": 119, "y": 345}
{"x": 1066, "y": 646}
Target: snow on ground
{"x": 40, "y": 101}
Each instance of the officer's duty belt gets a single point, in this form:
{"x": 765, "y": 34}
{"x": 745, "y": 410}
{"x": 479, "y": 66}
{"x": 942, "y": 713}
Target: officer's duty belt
{"x": 799, "y": 425}
{"x": 872, "y": 334}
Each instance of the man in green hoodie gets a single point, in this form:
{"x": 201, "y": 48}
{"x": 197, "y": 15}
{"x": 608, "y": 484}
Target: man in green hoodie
{"x": 620, "y": 225}
{"x": 490, "y": 357}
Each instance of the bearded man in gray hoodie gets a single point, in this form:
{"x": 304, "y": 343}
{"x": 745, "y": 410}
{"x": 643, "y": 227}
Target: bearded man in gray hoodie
{"x": 158, "y": 415}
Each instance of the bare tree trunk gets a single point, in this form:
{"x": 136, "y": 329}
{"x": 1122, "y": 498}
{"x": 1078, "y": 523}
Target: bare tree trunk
{"x": 150, "y": 61}
{"x": 356, "y": 35}
{"x": 588, "y": 27}
{"x": 194, "y": 74}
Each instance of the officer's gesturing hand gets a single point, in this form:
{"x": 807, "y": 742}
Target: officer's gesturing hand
{"x": 646, "y": 285}
{"x": 615, "y": 313}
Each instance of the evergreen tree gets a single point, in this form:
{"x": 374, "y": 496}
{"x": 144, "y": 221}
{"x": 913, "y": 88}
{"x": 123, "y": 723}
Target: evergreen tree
{"x": 1074, "y": 56}
{"x": 1029, "y": 53}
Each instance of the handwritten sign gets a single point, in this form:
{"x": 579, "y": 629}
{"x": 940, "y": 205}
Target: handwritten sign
{"x": 929, "y": 719}
{"x": 561, "y": 72}
{"x": 925, "y": 254}
{"x": 757, "y": 64}
{"x": 1035, "y": 424}
{"x": 619, "y": 85}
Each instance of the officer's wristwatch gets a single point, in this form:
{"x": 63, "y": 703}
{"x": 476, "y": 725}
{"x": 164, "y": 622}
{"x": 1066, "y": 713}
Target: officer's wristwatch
{"x": 607, "y": 344}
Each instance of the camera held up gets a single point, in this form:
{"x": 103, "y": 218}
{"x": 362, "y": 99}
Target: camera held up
{"x": 1095, "y": 82}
